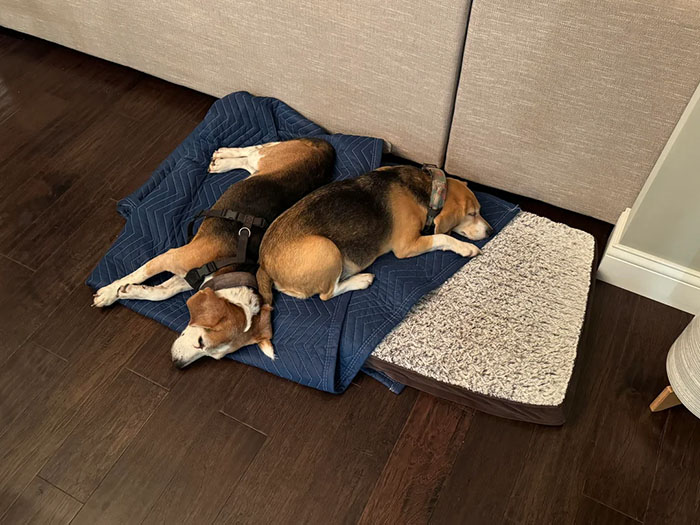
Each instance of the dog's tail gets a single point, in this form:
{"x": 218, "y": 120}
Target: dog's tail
{"x": 264, "y": 286}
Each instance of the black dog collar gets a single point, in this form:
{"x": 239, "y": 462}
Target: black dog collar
{"x": 438, "y": 193}
{"x": 231, "y": 280}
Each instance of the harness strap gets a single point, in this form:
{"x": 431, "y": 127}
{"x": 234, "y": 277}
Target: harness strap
{"x": 231, "y": 215}
{"x": 438, "y": 193}
{"x": 195, "y": 277}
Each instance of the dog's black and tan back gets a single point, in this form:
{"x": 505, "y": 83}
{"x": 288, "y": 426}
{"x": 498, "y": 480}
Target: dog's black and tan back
{"x": 365, "y": 223}
{"x": 320, "y": 244}
{"x": 288, "y": 172}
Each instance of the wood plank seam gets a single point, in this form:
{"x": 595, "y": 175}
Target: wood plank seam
{"x": 444, "y": 480}
{"x": 391, "y": 454}
{"x": 17, "y": 262}
{"x": 146, "y": 378}
{"x": 656, "y": 466}
{"x": 243, "y": 423}
{"x": 59, "y": 488}
{"x": 612, "y": 508}
{"x": 76, "y": 412}
{"x": 52, "y": 353}
{"x": 520, "y": 473}
{"x": 127, "y": 447}
{"x": 51, "y": 485}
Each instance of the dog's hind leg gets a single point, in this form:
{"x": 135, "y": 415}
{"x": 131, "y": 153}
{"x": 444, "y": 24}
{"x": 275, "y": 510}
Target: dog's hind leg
{"x": 161, "y": 292}
{"x": 358, "y": 281}
{"x": 308, "y": 266}
{"x": 227, "y": 159}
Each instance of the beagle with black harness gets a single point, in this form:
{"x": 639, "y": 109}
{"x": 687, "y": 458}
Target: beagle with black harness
{"x": 221, "y": 259}
{"x": 320, "y": 244}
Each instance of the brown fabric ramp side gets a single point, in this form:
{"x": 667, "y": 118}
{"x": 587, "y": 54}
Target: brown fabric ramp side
{"x": 543, "y": 415}
{"x": 571, "y": 103}
{"x": 383, "y": 69}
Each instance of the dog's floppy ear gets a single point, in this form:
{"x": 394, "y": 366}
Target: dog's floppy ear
{"x": 450, "y": 216}
{"x": 454, "y": 208}
{"x": 445, "y": 222}
{"x": 206, "y": 308}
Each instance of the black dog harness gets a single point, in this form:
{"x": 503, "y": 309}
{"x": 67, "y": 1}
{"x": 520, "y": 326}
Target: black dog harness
{"x": 438, "y": 193}
{"x": 196, "y": 276}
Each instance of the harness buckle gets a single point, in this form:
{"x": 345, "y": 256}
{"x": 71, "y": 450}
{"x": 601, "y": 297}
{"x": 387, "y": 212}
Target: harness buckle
{"x": 193, "y": 278}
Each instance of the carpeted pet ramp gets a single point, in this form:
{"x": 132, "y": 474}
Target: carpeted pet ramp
{"x": 501, "y": 335}
{"x": 319, "y": 344}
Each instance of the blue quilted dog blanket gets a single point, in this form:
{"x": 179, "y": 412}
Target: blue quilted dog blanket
{"x": 319, "y": 344}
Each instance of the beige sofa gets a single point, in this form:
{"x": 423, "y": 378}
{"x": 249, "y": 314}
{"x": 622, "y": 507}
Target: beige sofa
{"x": 560, "y": 101}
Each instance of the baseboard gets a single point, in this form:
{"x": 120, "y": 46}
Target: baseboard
{"x": 648, "y": 275}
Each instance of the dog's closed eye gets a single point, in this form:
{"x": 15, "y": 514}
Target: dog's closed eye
{"x": 200, "y": 342}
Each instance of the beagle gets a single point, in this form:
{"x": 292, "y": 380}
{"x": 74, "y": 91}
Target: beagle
{"x": 320, "y": 244}
{"x": 227, "y": 313}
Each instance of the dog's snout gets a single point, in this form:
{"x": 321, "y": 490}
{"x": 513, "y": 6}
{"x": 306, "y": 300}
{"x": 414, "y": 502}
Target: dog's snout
{"x": 489, "y": 230}
{"x": 179, "y": 363}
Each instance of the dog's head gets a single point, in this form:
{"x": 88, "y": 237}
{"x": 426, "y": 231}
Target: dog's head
{"x": 221, "y": 322}
{"x": 461, "y": 213}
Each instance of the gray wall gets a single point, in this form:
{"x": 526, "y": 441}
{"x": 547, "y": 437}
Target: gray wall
{"x": 665, "y": 219}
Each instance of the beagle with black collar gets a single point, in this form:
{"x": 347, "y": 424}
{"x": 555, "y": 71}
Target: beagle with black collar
{"x": 227, "y": 312}
{"x": 320, "y": 244}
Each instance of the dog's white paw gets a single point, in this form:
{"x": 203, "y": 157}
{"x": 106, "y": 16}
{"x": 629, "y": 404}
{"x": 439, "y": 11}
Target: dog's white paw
{"x": 221, "y": 160}
{"x": 363, "y": 280}
{"x": 106, "y": 295}
{"x": 215, "y": 165}
{"x": 220, "y": 165}
{"x": 226, "y": 153}
{"x": 467, "y": 249}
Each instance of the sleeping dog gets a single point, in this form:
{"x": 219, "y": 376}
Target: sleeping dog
{"x": 227, "y": 313}
{"x": 320, "y": 244}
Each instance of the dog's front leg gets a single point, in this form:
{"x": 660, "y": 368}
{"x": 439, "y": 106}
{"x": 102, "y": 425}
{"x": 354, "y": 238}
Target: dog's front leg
{"x": 431, "y": 243}
{"x": 161, "y": 292}
{"x": 109, "y": 294}
{"x": 177, "y": 261}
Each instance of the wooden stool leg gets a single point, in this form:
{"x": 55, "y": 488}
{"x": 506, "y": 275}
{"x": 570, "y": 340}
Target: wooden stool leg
{"x": 666, "y": 399}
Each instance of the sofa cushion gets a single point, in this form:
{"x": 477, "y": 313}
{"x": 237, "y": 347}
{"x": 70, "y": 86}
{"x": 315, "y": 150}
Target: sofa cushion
{"x": 571, "y": 103}
{"x": 382, "y": 69}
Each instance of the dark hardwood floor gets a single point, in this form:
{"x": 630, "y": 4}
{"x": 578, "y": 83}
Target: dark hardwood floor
{"x": 96, "y": 426}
